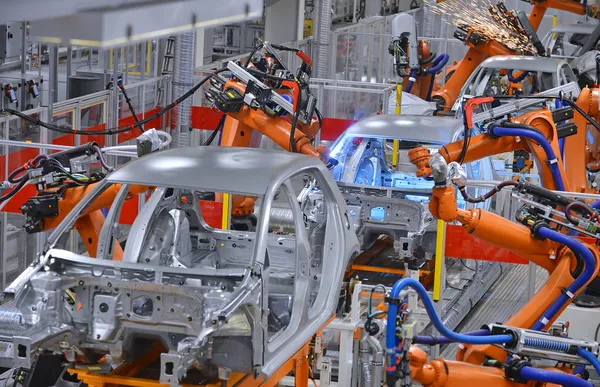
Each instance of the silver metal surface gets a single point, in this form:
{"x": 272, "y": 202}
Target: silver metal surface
{"x": 517, "y": 62}
{"x": 207, "y": 294}
{"x": 433, "y": 130}
{"x": 247, "y": 171}
{"x": 118, "y": 22}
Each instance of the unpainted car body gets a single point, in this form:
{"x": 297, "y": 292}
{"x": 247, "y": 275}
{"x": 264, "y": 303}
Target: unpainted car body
{"x": 245, "y": 301}
{"x": 388, "y": 199}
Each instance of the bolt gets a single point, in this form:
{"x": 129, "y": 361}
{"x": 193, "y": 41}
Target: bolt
{"x": 128, "y": 315}
{"x": 44, "y": 300}
{"x": 103, "y": 307}
{"x": 96, "y": 287}
{"x": 223, "y": 287}
{"x": 147, "y": 259}
{"x": 172, "y": 310}
{"x": 128, "y": 295}
{"x": 33, "y": 308}
{"x": 190, "y": 318}
{"x": 315, "y": 278}
{"x": 158, "y": 298}
{"x": 213, "y": 322}
{"x": 81, "y": 283}
{"x": 98, "y": 337}
{"x": 116, "y": 290}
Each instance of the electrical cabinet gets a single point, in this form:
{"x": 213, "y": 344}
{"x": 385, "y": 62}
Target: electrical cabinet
{"x": 11, "y": 35}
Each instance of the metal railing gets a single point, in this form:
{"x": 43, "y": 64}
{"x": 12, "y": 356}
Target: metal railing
{"x": 21, "y": 141}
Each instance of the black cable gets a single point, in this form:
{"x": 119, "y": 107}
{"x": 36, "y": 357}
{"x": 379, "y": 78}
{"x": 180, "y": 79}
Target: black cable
{"x": 131, "y": 109}
{"x": 76, "y": 180}
{"x": 465, "y": 265}
{"x": 596, "y": 333}
{"x": 252, "y": 54}
{"x": 319, "y": 118}
{"x": 466, "y": 141}
{"x": 14, "y": 191}
{"x": 115, "y": 130}
{"x": 216, "y": 131}
{"x": 295, "y": 121}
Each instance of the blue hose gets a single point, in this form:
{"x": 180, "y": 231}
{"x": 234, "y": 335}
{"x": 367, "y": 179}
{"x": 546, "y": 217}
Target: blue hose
{"x": 595, "y": 204}
{"x": 413, "y": 74}
{"x": 390, "y": 339}
{"x": 587, "y": 355}
{"x": 430, "y": 340}
{"x": 501, "y": 131}
{"x": 438, "y": 64}
{"x": 567, "y": 380}
{"x": 430, "y": 91}
{"x": 519, "y": 78}
{"x": 587, "y": 274}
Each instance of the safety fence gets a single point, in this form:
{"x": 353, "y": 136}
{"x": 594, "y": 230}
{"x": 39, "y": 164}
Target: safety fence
{"x": 96, "y": 111}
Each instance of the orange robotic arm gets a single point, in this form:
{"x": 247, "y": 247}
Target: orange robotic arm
{"x": 485, "y": 145}
{"x": 478, "y": 53}
{"x": 242, "y": 127}
{"x": 517, "y": 238}
{"x": 91, "y": 220}
{"x": 449, "y": 92}
{"x": 540, "y": 7}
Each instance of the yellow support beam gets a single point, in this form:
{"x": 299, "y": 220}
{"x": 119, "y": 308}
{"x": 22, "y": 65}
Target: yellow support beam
{"x": 439, "y": 260}
{"x": 226, "y": 212}
{"x": 398, "y": 105}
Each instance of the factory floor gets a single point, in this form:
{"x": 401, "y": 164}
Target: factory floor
{"x": 505, "y": 297}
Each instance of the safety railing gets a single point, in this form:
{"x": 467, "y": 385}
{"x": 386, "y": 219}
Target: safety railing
{"x": 289, "y": 58}
{"x": 350, "y": 100}
{"x": 95, "y": 111}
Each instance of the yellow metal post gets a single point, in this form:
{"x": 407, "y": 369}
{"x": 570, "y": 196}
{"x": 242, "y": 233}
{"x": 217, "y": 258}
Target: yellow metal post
{"x": 225, "y": 215}
{"x": 398, "y": 105}
{"x": 439, "y": 259}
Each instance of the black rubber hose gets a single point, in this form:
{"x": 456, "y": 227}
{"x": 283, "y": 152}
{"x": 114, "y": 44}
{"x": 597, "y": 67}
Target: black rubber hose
{"x": 216, "y": 131}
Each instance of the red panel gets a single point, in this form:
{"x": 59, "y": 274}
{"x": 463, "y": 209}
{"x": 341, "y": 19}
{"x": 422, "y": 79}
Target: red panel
{"x": 334, "y": 127}
{"x": 460, "y": 244}
{"x": 212, "y": 213}
{"x": 205, "y": 118}
{"x": 129, "y": 211}
{"x": 16, "y": 159}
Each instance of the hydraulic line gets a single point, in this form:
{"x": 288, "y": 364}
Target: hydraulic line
{"x": 581, "y": 206}
{"x": 587, "y": 355}
{"x": 431, "y": 340}
{"x": 437, "y": 65}
{"x": 435, "y": 320}
{"x": 411, "y": 80}
{"x": 538, "y": 375}
{"x": 518, "y": 78}
{"x": 492, "y": 192}
{"x": 569, "y": 292}
{"x": 540, "y": 139}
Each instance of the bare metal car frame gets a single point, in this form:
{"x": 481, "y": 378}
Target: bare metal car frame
{"x": 207, "y": 294}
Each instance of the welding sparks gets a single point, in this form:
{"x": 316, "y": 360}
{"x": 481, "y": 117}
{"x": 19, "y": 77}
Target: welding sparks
{"x": 490, "y": 21}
